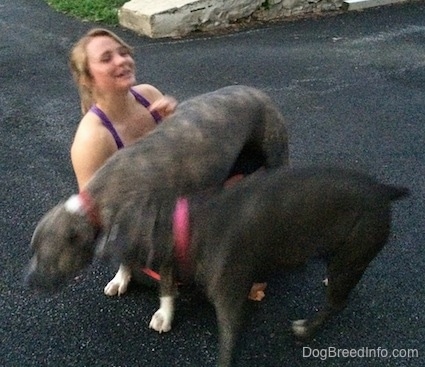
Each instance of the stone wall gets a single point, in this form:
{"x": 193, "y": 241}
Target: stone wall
{"x": 176, "y": 18}
{"x": 272, "y": 9}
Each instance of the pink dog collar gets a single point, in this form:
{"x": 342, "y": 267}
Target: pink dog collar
{"x": 181, "y": 230}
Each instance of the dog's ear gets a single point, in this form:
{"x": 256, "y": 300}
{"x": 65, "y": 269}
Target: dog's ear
{"x": 129, "y": 239}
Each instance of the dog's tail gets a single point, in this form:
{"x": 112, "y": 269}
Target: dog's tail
{"x": 395, "y": 192}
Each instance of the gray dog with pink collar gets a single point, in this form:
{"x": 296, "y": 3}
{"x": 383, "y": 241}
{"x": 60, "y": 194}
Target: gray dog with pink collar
{"x": 209, "y": 138}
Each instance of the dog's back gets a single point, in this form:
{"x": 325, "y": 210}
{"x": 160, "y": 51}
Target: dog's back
{"x": 197, "y": 146}
{"x": 299, "y": 208}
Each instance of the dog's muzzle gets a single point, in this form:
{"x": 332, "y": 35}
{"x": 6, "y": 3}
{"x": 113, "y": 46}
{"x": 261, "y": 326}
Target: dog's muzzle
{"x": 37, "y": 280}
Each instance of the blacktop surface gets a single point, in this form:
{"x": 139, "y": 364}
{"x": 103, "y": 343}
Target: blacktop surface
{"x": 352, "y": 88}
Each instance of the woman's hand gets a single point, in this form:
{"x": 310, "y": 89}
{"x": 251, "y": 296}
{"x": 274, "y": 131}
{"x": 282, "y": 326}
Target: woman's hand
{"x": 164, "y": 106}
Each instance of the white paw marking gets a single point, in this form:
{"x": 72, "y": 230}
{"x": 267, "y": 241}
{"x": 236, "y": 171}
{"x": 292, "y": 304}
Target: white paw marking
{"x": 118, "y": 285}
{"x": 160, "y": 322}
{"x": 299, "y": 327}
{"x": 162, "y": 319}
{"x": 325, "y": 282}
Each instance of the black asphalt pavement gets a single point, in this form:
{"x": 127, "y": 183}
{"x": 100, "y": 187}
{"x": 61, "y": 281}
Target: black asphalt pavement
{"x": 352, "y": 87}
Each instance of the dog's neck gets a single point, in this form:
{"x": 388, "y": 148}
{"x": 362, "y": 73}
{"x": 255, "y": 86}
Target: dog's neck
{"x": 83, "y": 204}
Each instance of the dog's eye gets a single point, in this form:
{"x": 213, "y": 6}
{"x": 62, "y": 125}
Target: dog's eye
{"x": 73, "y": 237}
{"x": 78, "y": 240}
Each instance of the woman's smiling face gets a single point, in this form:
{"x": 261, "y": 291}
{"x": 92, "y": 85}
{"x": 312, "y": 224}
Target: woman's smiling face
{"x": 111, "y": 64}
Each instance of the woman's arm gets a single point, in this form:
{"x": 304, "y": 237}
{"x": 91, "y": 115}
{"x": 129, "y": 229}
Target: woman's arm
{"x": 92, "y": 146}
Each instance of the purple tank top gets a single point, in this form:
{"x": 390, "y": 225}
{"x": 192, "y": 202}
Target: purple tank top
{"x": 108, "y": 124}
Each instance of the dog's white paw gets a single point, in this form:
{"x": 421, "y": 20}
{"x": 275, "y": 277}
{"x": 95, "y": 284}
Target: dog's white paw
{"x": 325, "y": 282}
{"x": 162, "y": 319}
{"x": 299, "y": 327}
{"x": 161, "y": 322}
{"x": 118, "y": 285}
{"x": 114, "y": 288}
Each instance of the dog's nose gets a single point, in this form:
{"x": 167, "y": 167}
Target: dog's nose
{"x": 32, "y": 277}
{"x": 30, "y": 273}
{"x": 37, "y": 280}
{"x": 29, "y": 279}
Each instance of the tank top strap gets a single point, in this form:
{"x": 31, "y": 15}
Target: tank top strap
{"x": 108, "y": 124}
{"x": 143, "y": 101}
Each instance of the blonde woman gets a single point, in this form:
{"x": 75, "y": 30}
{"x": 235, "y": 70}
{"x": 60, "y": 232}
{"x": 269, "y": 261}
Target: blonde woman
{"x": 116, "y": 112}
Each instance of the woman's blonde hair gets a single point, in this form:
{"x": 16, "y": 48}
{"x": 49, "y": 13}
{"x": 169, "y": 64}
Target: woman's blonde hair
{"x": 78, "y": 63}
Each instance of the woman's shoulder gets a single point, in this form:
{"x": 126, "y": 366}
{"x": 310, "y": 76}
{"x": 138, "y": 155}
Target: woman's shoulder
{"x": 92, "y": 146}
{"x": 89, "y": 124}
{"x": 91, "y": 132}
{"x": 148, "y": 91}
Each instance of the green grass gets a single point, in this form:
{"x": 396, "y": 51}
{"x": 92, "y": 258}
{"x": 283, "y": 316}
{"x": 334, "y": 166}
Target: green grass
{"x": 103, "y": 11}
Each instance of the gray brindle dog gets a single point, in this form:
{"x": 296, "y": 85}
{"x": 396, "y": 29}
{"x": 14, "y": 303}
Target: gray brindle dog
{"x": 205, "y": 141}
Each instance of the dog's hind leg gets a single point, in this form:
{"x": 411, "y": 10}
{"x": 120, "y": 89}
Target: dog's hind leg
{"x": 346, "y": 267}
{"x": 343, "y": 276}
{"x": 338, "y": 290}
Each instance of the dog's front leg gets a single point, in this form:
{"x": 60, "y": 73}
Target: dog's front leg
{"x": 118, "y": 285}
{"x": 162, "y": 319}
